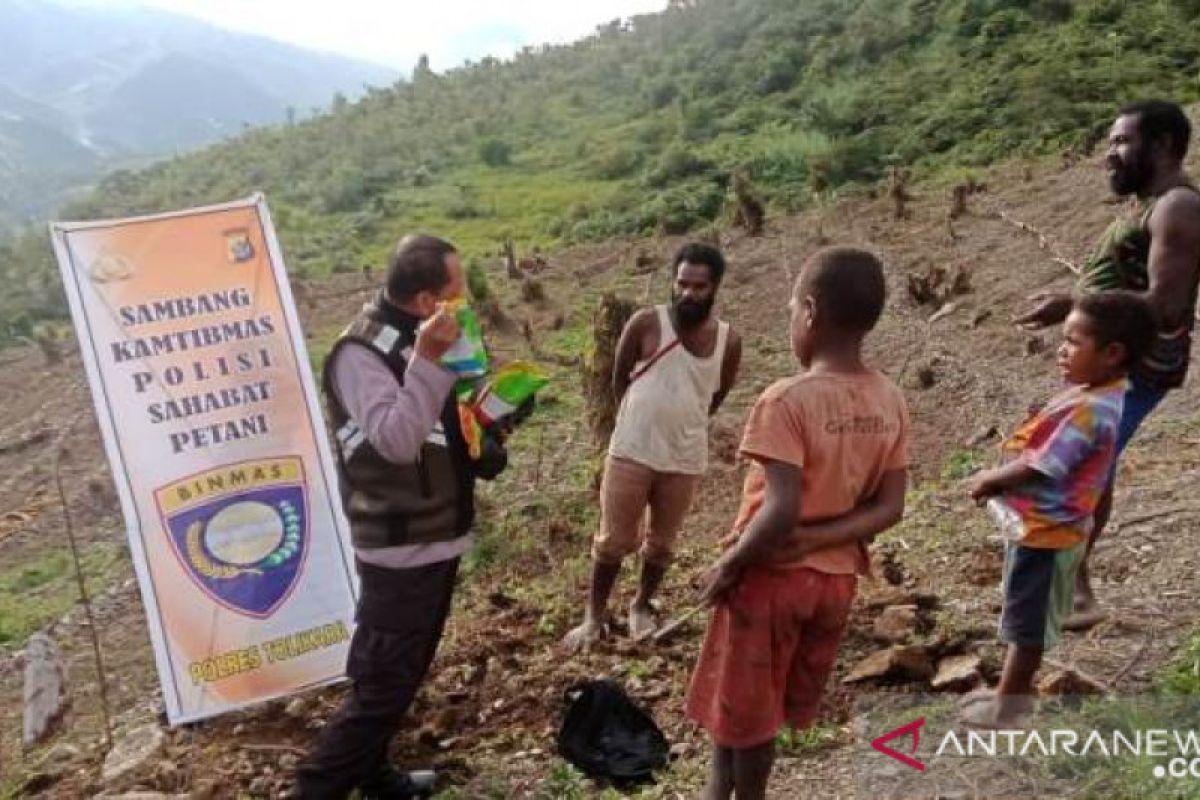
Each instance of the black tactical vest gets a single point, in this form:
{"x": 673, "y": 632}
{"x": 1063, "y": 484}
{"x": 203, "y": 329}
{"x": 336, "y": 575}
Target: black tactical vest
{"x": 430, "y": 500}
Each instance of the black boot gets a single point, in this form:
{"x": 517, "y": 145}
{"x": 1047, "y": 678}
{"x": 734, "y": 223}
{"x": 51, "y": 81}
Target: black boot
{"x": 391, "y": 784}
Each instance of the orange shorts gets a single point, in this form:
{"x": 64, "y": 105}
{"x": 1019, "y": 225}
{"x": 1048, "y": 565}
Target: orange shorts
{"x": 641, "y": 506}
{"x": 767, "y": 654}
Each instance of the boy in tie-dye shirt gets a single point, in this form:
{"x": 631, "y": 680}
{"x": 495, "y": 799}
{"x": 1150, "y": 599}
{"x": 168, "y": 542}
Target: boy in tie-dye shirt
{"x": 1057, "y": 465}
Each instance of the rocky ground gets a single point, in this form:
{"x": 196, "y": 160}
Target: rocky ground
{"x": 488, "y": 715}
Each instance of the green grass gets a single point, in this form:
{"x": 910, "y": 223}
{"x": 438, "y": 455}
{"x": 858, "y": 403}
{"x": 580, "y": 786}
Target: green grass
{"x": 572, "y": 341}
{"x": 807, "y": 742}
{"x": 1169, "y": 706}
{"x": 39, "y": 591}
{"x": 639, "y": 127}
{"x": 961, "y": 464}
{"x": 505, "y": 202}
{"x": 1182, "y": 675}
{"x": 567, "y": 783}
{"x": 319, "y": 346}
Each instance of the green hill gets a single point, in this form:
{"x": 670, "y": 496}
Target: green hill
{"x": 639, "y": 126}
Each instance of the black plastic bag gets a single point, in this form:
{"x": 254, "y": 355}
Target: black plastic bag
{"x": 607, "y": 736}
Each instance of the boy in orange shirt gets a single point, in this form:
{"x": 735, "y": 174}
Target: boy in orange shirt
{"x": 828, "y": 473}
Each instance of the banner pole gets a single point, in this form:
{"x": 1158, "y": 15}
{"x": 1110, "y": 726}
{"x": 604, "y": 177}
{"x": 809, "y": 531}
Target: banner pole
{"x": 84, "y": 598}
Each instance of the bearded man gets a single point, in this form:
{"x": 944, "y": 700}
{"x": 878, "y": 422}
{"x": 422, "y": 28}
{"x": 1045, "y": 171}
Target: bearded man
{"x": 1155, "y": 251}
{"x": 674, "y": 366}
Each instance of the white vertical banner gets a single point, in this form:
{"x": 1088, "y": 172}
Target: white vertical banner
{"x": 213, "y": 429}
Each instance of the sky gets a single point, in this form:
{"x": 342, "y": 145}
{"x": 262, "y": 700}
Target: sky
{"x": 395, "y": 33}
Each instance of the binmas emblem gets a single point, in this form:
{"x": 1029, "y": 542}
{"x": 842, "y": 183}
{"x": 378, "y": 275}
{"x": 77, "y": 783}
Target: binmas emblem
{"x": 241, "y": 531}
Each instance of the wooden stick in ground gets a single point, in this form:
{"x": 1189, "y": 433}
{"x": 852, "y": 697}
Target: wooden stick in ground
{"x": 1129, "y": 665}
{"x": 84, "y": 598}
{"x": 1169, "y": 511}
{"x": 1043, "y": 241}
{"x": 272, "y": 748}
{"x": 675, "y": 624}
{"x": 537, "y": 470}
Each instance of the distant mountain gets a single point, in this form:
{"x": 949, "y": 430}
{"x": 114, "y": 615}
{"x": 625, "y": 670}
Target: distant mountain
{"x": 641, "y": 127}
{"x": 83, "y": 88}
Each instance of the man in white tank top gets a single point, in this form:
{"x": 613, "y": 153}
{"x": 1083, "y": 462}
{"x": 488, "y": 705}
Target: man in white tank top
{"x": 674, "y": 366}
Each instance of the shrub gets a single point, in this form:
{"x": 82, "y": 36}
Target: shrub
{"x": 477, "y": 281}
{"x": 619, "y": 162}
{"x": 677, "y": 164}
{"x": 661, "y": 94}
{"x": 495, "y": 152}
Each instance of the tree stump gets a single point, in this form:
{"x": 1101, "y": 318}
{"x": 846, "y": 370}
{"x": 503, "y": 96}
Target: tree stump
{"x": 899, "y": 192}
{"x": 750, "y": 213}
{"x": 510, "y": 261}
{"x": 609, "y": 321}
{"x": 958, "y": 200}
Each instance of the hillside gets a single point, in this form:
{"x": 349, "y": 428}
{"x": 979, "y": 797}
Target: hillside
{"x": 488, "y": 715}
{"x": 83, "y": 89}
{"x": 607, "y": 155}
{"x": 639, "y": 126}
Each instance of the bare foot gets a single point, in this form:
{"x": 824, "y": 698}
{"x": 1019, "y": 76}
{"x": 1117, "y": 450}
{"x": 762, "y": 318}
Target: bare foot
{"x": 980, "y": 695}
{"x": 581, "y": 638}
{"x": 1086, "y": 614}
{"x": 643, "y": 622}
{"x": 1008, "y": 713}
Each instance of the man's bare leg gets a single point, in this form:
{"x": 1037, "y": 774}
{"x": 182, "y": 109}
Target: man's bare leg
{"x": 752, "y": 770}
{"x": 720, "y": 775}
{"x": 604, "y": 577}
{"x": 1087, "y": 611}
{"x": 642, "y": 620}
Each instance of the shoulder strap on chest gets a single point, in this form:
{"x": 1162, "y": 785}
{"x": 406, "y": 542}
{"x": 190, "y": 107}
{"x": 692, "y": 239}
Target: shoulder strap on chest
{"x": 722, "y": 342}
{"x": 1145, "y": 218}
{"x": 379, "y": 336}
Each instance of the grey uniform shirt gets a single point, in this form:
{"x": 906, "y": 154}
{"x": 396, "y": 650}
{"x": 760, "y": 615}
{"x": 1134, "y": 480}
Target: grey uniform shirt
{"x": 396, "y": 419}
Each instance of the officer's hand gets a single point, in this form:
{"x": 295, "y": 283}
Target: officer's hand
{"x": 437, "y": 334}
{"x": 509, "y": 422}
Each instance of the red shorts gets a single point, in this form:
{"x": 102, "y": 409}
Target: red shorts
{"x": 767, "y": 654}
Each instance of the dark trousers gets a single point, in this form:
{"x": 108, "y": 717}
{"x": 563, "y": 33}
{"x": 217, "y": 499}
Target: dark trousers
{"x": 401, "y": 614}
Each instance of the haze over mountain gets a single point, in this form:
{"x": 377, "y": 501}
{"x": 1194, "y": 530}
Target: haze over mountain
{"x": 642, "y": 126}
{"x": 85, "y": 88}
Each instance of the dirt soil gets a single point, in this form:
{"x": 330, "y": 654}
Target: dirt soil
{"x": 488, "y": 714}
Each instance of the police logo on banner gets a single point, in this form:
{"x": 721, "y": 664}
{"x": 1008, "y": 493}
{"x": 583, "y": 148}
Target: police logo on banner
{"x": 240, "y": 531}
{"x": 238, "y": 246}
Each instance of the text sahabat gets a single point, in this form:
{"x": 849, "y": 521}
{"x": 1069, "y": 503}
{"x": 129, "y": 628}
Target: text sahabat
{"x": 193, "y": 339}
{"x": 207, "y": 402}
{"x": 176, "y": 308}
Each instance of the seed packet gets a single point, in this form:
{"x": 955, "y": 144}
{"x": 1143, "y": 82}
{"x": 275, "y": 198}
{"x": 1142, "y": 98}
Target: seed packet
{"x": 472, "y": 431}
{"x": 508, "y": 387}
{"x": 467, "y": 358}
